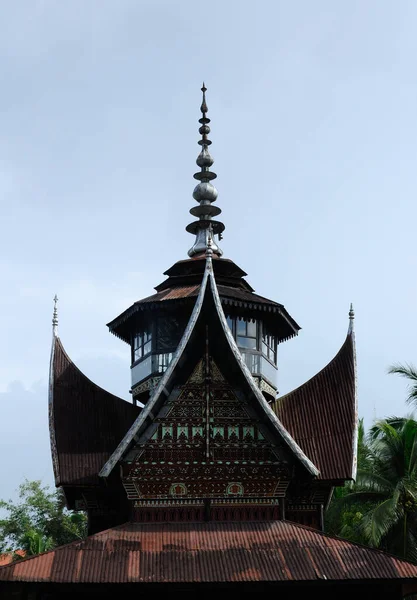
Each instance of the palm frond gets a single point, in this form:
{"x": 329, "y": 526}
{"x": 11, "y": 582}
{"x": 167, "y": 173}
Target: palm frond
{"x": 378, "y": 521}
{"x": 361, "y": 496}
{"x": 370, "y": 481}
{"x": 412, "y": 462}
{"x": 411, "y": 546}
{"x": 381, "y": 507}
{"x": 410, "y": 443}
{"x": 409, "y": 372}
{"x": 361, "y": 431}
{"x": 381, "y": 429}
{"x": 397, "y": 423}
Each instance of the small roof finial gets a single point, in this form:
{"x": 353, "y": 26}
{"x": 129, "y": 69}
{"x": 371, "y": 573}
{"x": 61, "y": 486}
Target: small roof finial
{"x": 55, "y": 317}
{"x": 351, "y": 318}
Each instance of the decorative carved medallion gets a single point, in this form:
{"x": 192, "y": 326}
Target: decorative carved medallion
{"x": 178, "y": 489}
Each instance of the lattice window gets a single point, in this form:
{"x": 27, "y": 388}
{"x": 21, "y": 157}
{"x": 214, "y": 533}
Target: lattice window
{"x": 142, "y": 344}
{"x": 247, "y": 334}
{"x": 269, "y": 345}
{"x": 244, "y": 332}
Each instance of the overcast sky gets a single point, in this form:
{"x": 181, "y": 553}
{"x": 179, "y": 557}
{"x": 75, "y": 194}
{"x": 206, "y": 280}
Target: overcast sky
{"x": 313, "y": 108}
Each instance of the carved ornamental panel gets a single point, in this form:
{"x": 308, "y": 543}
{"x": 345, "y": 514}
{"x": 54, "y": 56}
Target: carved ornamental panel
{"x": 206, "y": 442}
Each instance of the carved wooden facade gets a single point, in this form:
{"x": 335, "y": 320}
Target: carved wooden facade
{"x": 206, "y": 451}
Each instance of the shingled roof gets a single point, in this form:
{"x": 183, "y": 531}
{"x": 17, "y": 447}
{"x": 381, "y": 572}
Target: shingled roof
{"x": 86, "y": 422}
{"x": 321, "y": 415}
{"x": 272, "y": 551}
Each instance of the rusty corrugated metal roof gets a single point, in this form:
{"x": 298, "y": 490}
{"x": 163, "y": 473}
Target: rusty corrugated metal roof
{"x": 321, "y": 415}
{"x": 187, "y": 291}
{"x": 7, "y": 557}
{"x": 228, "y": 294}
{"x": 175, "y": 293}
{"x": 277, "y": 551}
{"x": 245, "y": 296}
{"x": 86, "y": 422}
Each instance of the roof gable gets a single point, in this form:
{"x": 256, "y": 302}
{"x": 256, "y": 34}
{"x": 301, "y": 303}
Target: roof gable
{"x": 85, "y": 421}
{"x": 192, "y": 337}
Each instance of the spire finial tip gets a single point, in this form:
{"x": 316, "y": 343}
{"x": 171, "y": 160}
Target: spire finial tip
{"x": 351, "y": 319}
{"x": 55, "y": 316}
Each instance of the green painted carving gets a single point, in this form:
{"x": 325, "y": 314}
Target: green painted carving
{"x": 197, "y": 432}
{"x": 248, "y": 432}
{"x": 166, "y": 431}
{"x": 218, "y": 431}
{"x": 182, "y": 432}
{"x": 233, "y": 432}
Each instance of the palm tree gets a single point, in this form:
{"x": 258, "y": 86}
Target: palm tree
{"x": 36, "y": 543}
{"x": 409, "y": 372}
{"x": 364, "y": 453}
{"x": 343, "y": 518}
{"x": 386, "y": 489}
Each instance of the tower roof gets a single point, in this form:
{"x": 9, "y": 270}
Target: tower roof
{"x": 184, "y": 278}
{"x": 183, "y": 285}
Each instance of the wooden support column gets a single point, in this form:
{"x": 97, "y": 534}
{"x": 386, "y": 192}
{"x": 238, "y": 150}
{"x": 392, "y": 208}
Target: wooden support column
{"x": 282, "y": 507}
{"x": 321, "y": 517}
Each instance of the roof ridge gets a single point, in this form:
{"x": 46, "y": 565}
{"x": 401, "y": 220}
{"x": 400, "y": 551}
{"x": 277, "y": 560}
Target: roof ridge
{"x": 161, "y": 388}
{"x": 272, "y": 417}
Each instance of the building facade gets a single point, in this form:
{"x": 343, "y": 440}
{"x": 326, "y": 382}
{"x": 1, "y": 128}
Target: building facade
{"x": 207, "y": 479}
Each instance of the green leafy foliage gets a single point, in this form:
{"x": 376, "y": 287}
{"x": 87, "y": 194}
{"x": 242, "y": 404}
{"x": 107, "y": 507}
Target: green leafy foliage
{"x": 380, "y": 508}
{"x": 345, "y": 515}
{"x": 39, "y": 521}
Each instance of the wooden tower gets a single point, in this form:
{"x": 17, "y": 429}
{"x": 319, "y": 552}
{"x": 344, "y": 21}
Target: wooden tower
{"x": 206, "y": 437}
{"x": 208, "y": 481}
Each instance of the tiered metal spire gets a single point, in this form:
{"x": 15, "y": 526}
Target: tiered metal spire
{"x": 205, "y": 193}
